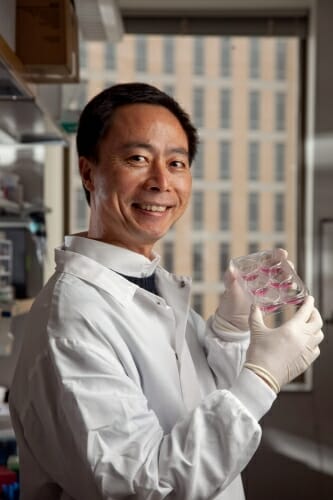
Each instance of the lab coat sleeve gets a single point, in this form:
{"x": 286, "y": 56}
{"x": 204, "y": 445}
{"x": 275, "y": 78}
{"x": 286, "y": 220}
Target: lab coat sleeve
{"x": 106, "y": 417}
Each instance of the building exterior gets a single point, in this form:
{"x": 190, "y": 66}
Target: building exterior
{"x": 242, "y": 94}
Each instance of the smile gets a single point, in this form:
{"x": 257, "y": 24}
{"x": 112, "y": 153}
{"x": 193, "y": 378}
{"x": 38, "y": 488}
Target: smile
{"x": 152, "y": 208}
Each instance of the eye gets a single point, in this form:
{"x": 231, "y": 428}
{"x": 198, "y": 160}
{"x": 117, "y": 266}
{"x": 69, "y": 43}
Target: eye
{"x": 178, "y": 164}
{"x": 137, "y": 159}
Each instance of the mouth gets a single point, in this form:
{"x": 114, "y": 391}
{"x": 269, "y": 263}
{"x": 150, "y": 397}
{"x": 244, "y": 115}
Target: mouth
{"x": 149, "y": 207}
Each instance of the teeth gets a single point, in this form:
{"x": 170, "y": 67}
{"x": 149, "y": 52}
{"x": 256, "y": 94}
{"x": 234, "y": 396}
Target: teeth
{"x": 153, "y": 208}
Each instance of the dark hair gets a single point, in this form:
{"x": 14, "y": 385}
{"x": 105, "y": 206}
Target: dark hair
{"x": 96, "y": 118}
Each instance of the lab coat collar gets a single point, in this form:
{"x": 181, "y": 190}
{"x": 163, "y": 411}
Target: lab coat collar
{"x": 118, "y": 259}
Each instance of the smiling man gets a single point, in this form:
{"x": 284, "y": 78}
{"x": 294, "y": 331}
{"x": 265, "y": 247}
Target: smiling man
{"x": 121, "y": 389}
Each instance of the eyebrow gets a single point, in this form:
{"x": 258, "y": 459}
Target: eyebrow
{"x": 144, "y": 145}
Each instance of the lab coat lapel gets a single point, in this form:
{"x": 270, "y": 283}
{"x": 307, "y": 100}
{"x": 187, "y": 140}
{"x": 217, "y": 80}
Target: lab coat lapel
{"x": 176, "y": 292}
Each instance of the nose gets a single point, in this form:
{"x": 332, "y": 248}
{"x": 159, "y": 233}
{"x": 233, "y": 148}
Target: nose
{"x": 158, "y": 177}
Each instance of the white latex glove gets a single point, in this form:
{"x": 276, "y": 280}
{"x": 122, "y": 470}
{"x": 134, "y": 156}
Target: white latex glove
{"x": 279, "y": 355}
{"x": 232, "y": 314}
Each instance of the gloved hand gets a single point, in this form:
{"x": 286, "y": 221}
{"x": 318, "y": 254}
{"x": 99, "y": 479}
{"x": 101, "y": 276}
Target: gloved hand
{"x": 279, "y": 355}
{"x": 232, "y": 314}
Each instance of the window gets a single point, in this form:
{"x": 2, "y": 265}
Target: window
{"x": 198, "y": 164}
{"x": 280, "y": 59}
{"x": 168, "y": 255}
{"x": 225, "y": 160}
{"x": 254, "y": 58}
{"x": 280, "y": 111}
{"x": 279, "y": 212}
{"x": 225, "y": 57}
{"x": 198, "y": 209}
{"x": 199, "y": 56}
{"x": 169, "y": 89}
{"x": 168, "y": 55}
{"x": 280, "y": 153}
{"x": 253, "y": 247}
{"x": 197, "y": 261}
{"x": 253, "y": 211}
{"x": 253, "y": 161}
{"x": 254, "y": 110}
{"x": 110, "y": 56}
{"x": 224, "y": 254}
{"x": 224, "y": 211}
{"x": 197, "y": 303}
{"x": 225, "y": 108}
{"x": 198, "y": 106}
{"x": 141, "y": 53}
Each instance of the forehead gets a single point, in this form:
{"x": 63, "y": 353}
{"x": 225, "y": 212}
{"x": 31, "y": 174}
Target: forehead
{"x": 140, "y": 119}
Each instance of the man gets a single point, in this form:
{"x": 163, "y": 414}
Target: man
{"x": 122, "y": 390}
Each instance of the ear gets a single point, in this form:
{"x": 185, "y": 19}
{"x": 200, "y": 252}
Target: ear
{"x": 86, "y": 171}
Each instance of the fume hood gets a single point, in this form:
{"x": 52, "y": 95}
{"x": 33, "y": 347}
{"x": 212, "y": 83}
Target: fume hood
{"x": 23, "y": 119}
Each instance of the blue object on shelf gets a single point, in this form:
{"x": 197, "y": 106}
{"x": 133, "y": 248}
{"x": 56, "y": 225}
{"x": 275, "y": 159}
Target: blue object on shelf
{"x": 11, "y": 491}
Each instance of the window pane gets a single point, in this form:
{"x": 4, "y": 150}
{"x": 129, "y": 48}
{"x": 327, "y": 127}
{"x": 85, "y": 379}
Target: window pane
{"x": 169, "y": 54}
{"x": 225, "y": 57}
{"x": 224, "y": 258}
{"x": 254, "y": 110}
{"x": 197, "y": 261}
{"x": 110, "y": 56}
{"x": 279, "y": 212}
{"x": 168, "y": 256}
{"x": 199, "y": 65}
{"x": 198, "y": 106}
{"x": 224, "y": 211}
{"x": 225, "y": 160}
{"x": 280, "y": 152}
{"x": 253, "y": 152}
{"x": 280, "y": 111}
{"x": 141, "y": 53}
{"x": 253, "y": 211}
{"x": 198, "y": 164}
{"x": 225, "y": 108}
{"x": 254, "y": 59}
{"x": 197, "y": 303}
{"x": 197, "y": 209}
{"x": 281, "y": 59}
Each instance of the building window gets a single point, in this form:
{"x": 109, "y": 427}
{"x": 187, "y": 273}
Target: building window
{"x": 254, "y": 110}
{"x": 253, "y": 247}
{"x": 198, "y": 209}
{"x": 198, "y": 106}
{"x": 197, "y": 261}
{"x": 280, "y": 158}
{"x": 225, "y": 108}
{"x": 225, "y": 57}
{"x": 110, "y": 56}
{"x": 168, "y": 255}
{"x": 225, "y": 160}
{"x": 224, "y": 257}
{"x": 169, "y": 89}
{"x": 279, "y": 212}
{"x": 254, "y": 57}
{"x": 280, "y": 59}
{"x": 280, "y": 111}
{"x": 253, "y": 211}
{"x": 199, "y": 56}
{"x": 168, "y": 54}
{"x": 198, "y": 163}
{"x": 224, "y": 211}
{"x": 253, "y": 161}
{"x": 141, "y": 53}
{"x": 197, "y": 303}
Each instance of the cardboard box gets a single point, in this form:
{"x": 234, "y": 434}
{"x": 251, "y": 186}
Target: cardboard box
{"x": 47, "y": 40}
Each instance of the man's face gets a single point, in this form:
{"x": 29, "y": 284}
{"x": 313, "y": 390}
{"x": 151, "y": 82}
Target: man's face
{"x": 142, "y": 182}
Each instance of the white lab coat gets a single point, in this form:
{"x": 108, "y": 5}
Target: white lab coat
{"x": 119, "y": 393}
